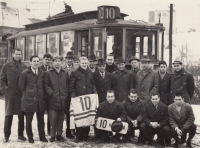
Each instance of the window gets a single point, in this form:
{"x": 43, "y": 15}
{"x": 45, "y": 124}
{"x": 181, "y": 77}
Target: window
{"x": 20, "y": 45}
{"x": 53, "y": 43}
{"x": 145, "y": 46}
{"x": 67, "y": 42}
{"x": 160, "y": 46}
{"x": 96, "y": 42}
{"x": 29, "y": 50}
{"x": 40, "y": 45}
{"x": 153, "y": 57}
{"x": 137, "y": 49}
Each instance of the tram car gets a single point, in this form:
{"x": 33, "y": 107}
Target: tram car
{"x": 97, "y": 32}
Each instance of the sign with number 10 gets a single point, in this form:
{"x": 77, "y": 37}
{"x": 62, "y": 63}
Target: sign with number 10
{"x": 108, "y": 13}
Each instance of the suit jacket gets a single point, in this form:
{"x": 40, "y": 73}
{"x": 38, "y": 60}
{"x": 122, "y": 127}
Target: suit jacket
{"x": 183, "y": 120}
{"x": 150, "y": 114}
{"x": 111, "y": 111}
{"x": 102, "y": 85}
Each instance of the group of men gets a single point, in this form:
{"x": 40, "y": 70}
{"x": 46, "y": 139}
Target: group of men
{"x": 153, "y": 102}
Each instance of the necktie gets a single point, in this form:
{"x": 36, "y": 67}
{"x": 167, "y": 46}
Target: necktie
{"x": 102, "y": 75}
{"x": 35, "y": 72}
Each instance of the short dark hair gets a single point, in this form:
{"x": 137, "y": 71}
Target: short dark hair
{"x": 110, "y": 91}
{"x": 154, "y": 92}
{"x": 110, "y": 54}
{"x": 16, "y": 49}
{"x": 133, "y": 91}
{"x": 178, "y": 93}
{"x": 47, "y": 55}
{"x": 34, "y": 56}
{"x": 162, "y": 62}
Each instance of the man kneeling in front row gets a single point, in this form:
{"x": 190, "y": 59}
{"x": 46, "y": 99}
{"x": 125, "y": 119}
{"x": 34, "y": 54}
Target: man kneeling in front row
{"x": 181, "y": 119}
{"x": 111, "y": 109}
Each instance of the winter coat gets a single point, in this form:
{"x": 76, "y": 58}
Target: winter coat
{"x": 9, "y": 87}
{"x": 111, "y": 111}
{"x": 160, "y": 115}
{"x": 164, "y": 88}
{"x": 81, "y": 82}
{"x": 134, "y": 72}
{"x": 122, "y": 82}
{"x": 146, "y": 83}
{"x": 32, "y": 88}
{"x": 102, "y": 85}
{"x": 183, "y": 82}
{"x": 111, "y": 68}
{"x": 183, "y": 120}
{"x": 57, "y": 88}
{"x": 133, "y": 110}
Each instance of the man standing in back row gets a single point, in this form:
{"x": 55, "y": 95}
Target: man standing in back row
{"x": 110, "y": 65}
{"x": 9, "y": 88}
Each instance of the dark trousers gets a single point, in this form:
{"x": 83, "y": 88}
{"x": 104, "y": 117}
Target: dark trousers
{"x": 82, "y": 132}
{"x": 191, "y": 131}
{"x": 56, "y": 121}
{"x": 131, "y": 131}
{"x": 48, "y": 123}
{"x": 40, "y": 124}
{"x": 8, "y": 124}
{"x": 149, "y": 132}
{"x": 68, "y": 131}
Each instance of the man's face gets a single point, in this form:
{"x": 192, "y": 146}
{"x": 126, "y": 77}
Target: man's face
{"x": 17, "y": 55}
{"x": 177, "y": 67}
{"x": 69, "y": 61}
{"x": 76, "y": 64}
{"x": 110, "y": 97}
{"x": 102, "y": 68}
{"x": 35, "y": 62}
{"x": 145, "y": 65}
{"x": 57, "y": 63}
{"x": 133, "y": 97}
{"x": 121, "y": 66}
{"x": 109, "y": 60}
{"x": 155, "y": 100}
{"x": 84, "y": 64}
{"x": 178, "y": 100}
{"x": 92, "y": 64}
{"x": 134, "y": 64}
{"x": 163, "y": 68}
{"x": 46, "y": 61}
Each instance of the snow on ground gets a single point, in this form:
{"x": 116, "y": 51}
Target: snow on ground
{"x": 14, "y": 143}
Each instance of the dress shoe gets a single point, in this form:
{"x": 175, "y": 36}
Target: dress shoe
{"x": 77, "y": 140}
{"x": 60, "y": 138}
{"x": 43, "y": 139}
{"x": 189, "y": 144}
{"x": 5, "y": 140}
{"x": 52, "y": 139}
{"x": 70, "y": 136}
{"x": 22, "y": 138}
{"x": 31, "y": 140}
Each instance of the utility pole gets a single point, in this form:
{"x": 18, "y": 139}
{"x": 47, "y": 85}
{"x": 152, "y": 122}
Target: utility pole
{"x": 170, "y": 37}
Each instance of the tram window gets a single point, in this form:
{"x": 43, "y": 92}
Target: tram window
{"x": 53, "y": 43}
{"x": 96, "y": 42}
{"x": 160, "y": 46}
{"x": 145, "y": 46}
{"x": 67, "y": 40}
{"x": 153, "y": 57}
{"x": 20, "y": 44}
{"x": 40, "y": 45}
{"x": 137, "y": 49}
{"x": 110, "y": 43}
{"x": 29, "y": 50}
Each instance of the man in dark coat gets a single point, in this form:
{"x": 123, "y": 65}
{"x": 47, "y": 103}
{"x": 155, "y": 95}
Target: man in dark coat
{"x": 110, "y": 65}
{"x": 134, "y": 61}
{"x": 9, "y": 82}
{"x": 111, "y": 109}
{"x": 133, "y": 107}
{"x": 181, "y": 119}
{"x": 155, "y": 119}
{"x": 164, "y": 83}
{"x": 147, "y": 79}
{"x": 122, "y": 81}
{"x": 82, "y": 83}
{"x": 102, "y": 80}
{"x": 31, "y": 85}
{"x": 46, "y": 67}
{"x": 182, "y": 80}
{"x": 56, "y": 83}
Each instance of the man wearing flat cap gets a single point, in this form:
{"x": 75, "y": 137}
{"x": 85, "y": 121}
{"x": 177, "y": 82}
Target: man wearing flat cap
{"x": 56, "y": 83}
{"x": 92, "y": 63}
{"x": 122, "y": 81}
{"x": 68, "y": 65}
{"x": 134, "y": 61}
{"x": 183, "y": 81}
{"x": 147, "y": 79}
{"x": 102, "y": 80}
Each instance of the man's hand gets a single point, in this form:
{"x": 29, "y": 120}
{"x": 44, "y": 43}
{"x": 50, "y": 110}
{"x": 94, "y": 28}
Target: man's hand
{"x": 179, "y": 132}
{"x": 135, "y": 123}
{"x": 118, "y": 119}
{"x": 153, "y": 124}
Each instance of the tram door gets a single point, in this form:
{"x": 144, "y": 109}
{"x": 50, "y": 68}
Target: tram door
{"x": 83, "y": 42}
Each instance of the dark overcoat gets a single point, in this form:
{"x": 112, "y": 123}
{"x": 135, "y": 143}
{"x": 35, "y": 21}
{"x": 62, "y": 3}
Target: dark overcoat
{"x": 134, "y": 72}
{"x": 102, "y": 85}
{"x": 32, "y": 88}
{"x": 146, "y": 83}
{"x": 122, "y": 82}
{"x": 9, "y": 87}
{"x": 164, "y": 88}
{"x": 111, "y": 111}
{"x": 160, "y": 115}
{"x": 183, "y": 120}
{"x": 81, "y": 82}
{"x": 133, "y": 110}
{"x": 111, "y": 68}
{"x": 57, "y": 88}
{"x": 183, "y": 82}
